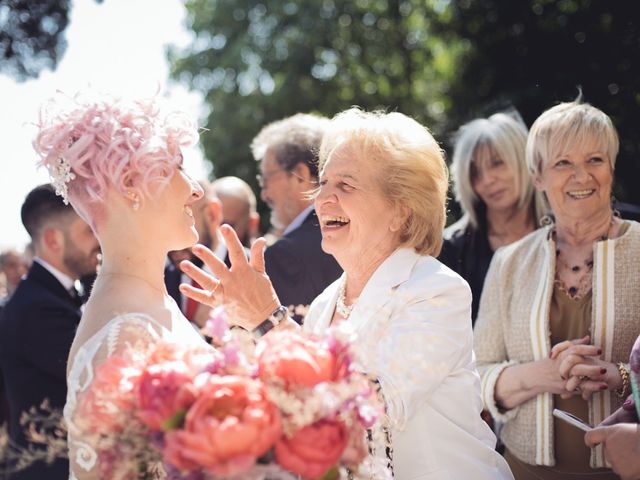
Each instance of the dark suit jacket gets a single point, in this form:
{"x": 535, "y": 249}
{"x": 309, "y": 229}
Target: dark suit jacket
{"x": 297, "y": 266}
{"x": 37, "y": 327}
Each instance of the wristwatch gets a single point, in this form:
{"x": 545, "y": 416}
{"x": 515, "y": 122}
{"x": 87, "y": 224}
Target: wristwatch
{"x": 277, "y": 316}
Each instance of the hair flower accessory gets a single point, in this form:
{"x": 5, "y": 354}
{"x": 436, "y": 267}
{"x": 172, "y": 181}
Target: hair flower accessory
{"x": 61, "y": 174}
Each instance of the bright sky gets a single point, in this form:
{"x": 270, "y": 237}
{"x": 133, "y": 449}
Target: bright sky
{"x": 117, "y": 46}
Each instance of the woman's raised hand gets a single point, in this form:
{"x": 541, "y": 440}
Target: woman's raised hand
{"x": 244, "y": 289}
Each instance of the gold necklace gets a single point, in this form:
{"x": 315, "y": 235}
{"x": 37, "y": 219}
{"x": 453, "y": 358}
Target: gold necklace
{"x": 118, "y": 274}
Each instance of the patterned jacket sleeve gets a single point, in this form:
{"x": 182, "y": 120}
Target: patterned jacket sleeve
{"x": 489, "y": 338}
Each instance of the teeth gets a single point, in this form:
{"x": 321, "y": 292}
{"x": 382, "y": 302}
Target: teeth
{"x": 326, "y": 219}
{"x": 188, "y": 211}
{"x": 581, "y": 193}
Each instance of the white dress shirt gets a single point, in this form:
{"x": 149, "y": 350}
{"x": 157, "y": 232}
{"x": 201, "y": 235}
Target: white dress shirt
{"x": 67, "y": 282}
{"x": 298, "y": 220}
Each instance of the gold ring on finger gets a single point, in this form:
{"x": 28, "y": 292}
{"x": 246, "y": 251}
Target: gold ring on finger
{"x": 583, "y": 378}
{"x": 213, "y": 290}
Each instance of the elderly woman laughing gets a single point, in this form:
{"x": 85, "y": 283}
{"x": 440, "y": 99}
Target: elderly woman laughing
{"x": 571, "y": 285}
{"x": 381, "y": 204}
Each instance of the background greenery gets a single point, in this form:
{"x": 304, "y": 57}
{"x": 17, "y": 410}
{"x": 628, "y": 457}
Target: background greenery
{"x": 443, "y": 62}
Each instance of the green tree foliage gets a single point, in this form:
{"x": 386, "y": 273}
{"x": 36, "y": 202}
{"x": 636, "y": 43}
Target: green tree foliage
{"x": 31, "y": 36}
{"x": 535, "y": 54}
{"x": 443, "y": 62}
{"x": 258, "y": 61}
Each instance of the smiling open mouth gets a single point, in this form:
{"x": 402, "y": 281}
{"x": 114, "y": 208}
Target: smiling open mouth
{"x": 580, "y": 194}
{"x": 331, "y": 221}
{"x": 188, "y": 211}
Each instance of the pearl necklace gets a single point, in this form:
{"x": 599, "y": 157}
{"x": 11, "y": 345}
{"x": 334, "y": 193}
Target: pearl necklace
{"x": 341, "y": 307}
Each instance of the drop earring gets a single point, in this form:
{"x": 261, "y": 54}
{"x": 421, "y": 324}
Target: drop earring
{"x": 135, "y": 199}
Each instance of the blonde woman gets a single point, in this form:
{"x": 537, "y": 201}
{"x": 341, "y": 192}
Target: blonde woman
{"x": 559, "y": 309}
{"x": 494, "y": 188}
{"x": 381, "y": 206}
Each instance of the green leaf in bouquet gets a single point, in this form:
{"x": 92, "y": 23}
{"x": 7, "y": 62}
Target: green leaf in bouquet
{"x": 635, "y": 390}
{"x": 175, "y": 421}
{"x": 331, "y": 474}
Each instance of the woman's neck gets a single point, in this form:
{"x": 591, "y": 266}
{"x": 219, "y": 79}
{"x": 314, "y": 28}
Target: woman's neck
{"x": 507, "y": 226}
{"x": 145, "y": 264}
{"x": 576, "y": 233}
{"x": 362, "y": 270}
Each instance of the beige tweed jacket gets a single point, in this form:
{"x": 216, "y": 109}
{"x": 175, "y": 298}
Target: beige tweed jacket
{"x": 513, "y": 327}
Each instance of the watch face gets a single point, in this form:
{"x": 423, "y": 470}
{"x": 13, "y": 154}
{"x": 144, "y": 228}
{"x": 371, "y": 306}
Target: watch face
{"x": 278, "y": 315}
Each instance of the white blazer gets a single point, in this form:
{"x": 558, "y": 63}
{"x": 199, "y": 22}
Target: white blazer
{"x": 413, "y": 321}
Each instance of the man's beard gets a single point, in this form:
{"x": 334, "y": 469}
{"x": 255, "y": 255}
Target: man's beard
{"x": 77, "y": 262}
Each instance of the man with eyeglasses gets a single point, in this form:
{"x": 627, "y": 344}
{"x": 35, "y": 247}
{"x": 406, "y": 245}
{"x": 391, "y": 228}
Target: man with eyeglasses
{"x": 287, "y": 151}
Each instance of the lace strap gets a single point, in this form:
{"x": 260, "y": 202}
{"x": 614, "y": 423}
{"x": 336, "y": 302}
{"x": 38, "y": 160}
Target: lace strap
{"x": 83, "y": 361}
{"x": 111, "y": 336}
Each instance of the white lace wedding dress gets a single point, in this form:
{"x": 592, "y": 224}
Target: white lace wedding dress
{"x": 120, "y": 333}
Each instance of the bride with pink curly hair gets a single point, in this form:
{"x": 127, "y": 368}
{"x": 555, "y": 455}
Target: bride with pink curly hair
{"x": 119, "y": 164}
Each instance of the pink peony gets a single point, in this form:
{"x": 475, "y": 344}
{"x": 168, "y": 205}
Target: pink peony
{"x": 314, "y": 449}
{"x": 297, "y": 360}
{"x": 164, "y": 391}
{"x": 106, "y": 406}
{"x": 230, "y": 425}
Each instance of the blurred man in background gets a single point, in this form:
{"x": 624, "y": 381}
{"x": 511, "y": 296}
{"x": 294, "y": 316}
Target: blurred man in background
{"x": 238, "y": 207}
{"x": 208, "y": 216}
{"x": 288, "y": 154}
{"x": 13, "y": 267}
{"x": 38, "y": 323}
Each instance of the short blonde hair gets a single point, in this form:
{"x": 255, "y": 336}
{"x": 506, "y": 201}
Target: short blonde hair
{"x": 506, "y": 136}
{"x": 561, "y": 127}
{"x": 412, "y": 172}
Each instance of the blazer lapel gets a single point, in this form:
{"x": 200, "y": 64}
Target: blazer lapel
{"x": 379, "y": 290}
{"x": 41, "y": 275}
{"x": 324, "y": 319}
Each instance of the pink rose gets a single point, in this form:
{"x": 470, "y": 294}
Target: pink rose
{"x": 296, "y": 360}
{"x": 164, "y": 390}
{"x": 106, "y": 406}
{"x": 313, "y": 450}
{"x": 230, "y": 425}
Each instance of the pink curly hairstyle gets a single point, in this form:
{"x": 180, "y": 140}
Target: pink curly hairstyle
{"x": 110, "y": 142}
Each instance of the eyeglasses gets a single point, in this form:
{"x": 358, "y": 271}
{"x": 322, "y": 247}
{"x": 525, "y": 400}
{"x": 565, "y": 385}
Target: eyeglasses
{"x": 264, "y": 178}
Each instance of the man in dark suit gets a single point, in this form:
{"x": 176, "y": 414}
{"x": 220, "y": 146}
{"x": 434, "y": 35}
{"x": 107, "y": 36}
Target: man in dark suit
{"x": 39, "y": 322}
{"x": 287, "y": 152}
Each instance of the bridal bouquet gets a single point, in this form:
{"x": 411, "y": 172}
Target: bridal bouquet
{"x": 292, "y": 405}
